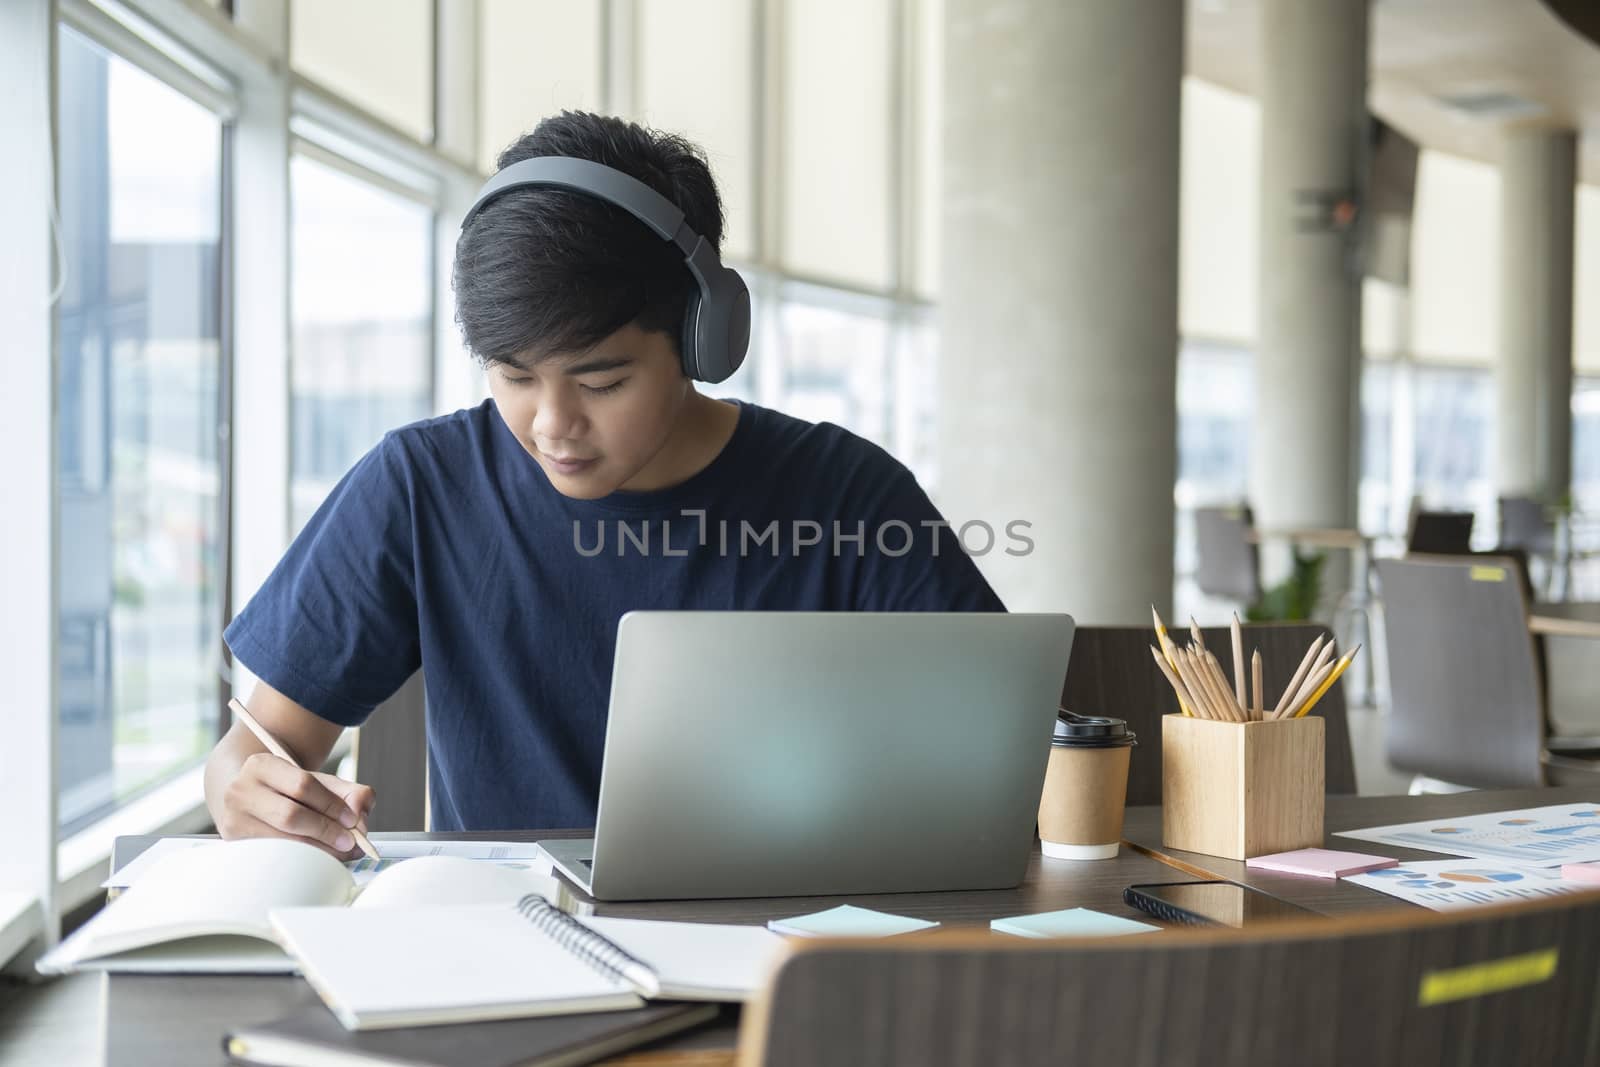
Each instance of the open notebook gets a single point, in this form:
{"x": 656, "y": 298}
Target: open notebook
{"x": 381, "y": 968}
{"x": 205, "y": 910}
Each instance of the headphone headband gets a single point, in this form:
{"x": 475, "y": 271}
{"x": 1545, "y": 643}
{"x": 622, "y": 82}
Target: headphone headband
{"x": 717, "y": 323}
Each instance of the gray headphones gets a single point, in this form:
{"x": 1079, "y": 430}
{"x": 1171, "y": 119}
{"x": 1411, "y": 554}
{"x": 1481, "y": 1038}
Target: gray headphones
{"x": 716, "y": 327}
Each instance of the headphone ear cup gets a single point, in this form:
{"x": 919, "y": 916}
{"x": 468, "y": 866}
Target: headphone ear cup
{"x": 721, "y": 326}
{"x": 688, "y": 344}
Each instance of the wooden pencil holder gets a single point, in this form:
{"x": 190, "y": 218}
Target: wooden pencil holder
{"x": 1241, "y": 789}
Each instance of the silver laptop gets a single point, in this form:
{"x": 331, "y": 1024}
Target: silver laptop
{"x": 755, "y": 754}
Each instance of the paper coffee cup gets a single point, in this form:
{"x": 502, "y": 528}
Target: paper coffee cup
{"x": 1085, "y": 788}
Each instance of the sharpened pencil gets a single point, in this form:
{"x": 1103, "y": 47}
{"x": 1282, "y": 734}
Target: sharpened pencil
{"x": 1184, "y": 699}
{"x": 1240, "y": 693}
{"x": 1257, "y": 706}
{"x": 1197, "y": 689}
{"x": 1298, "y": 677}
{"x": 1317, "y": 694}
{"x": 1219, "y": 681}
{"x": 1167, "y": 650}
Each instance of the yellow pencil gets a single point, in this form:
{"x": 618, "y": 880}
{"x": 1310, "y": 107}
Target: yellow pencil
{"x": 1167, "y": 650}
{"x": 1296, "y": 679}
{"x": 1173, "y": 680}
{"x": 1338, "y": 669}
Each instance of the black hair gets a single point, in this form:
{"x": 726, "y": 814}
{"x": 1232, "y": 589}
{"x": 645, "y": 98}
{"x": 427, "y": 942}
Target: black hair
{"x": 542, "y": 271}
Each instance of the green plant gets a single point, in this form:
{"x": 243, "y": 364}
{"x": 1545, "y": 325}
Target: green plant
{"x": 1294, "y": 598}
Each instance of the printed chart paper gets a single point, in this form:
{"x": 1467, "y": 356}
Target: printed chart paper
{"x": 1538, "y": 837}
{"x": 1446, "y": 884}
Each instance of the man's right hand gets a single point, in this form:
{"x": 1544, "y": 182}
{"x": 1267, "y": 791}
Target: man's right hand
{"x": 252, "y": 793}
{"x": 271, "y": 797}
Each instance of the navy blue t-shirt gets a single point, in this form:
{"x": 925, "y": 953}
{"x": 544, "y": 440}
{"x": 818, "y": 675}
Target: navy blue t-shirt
{"x": 446, "y": 547}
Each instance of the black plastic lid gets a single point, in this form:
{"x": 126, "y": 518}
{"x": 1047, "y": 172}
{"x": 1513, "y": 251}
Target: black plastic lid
{"x": 1091, "y": 731}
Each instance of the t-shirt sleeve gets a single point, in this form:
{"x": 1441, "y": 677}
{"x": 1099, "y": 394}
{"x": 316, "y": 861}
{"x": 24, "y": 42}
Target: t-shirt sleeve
{"x": 334, "y": 627}
{"x": 912, "y": 559}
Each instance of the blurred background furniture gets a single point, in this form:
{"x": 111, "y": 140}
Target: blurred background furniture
{"x": 1466, "y": 690}
{"x": 1440, "y": 533}
{"x": 1227, "y": 562}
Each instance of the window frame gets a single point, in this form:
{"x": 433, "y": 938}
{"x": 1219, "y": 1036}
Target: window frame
{"x": 125, "y": 34}
{"x": 266, "y": 112}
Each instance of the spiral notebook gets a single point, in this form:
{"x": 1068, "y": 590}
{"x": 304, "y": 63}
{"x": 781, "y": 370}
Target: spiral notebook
{"x": 420, "y": 966}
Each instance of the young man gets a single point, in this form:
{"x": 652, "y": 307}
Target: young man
{"x": 499, "y": 546}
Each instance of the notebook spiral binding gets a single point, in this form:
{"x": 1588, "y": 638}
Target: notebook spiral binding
{"x": 599, "y": 951}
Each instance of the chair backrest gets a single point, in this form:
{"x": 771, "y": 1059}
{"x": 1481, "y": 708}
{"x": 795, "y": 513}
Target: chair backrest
{"x": 1110, "y": 672}
{"x": 1487, "y": 986}
{"x": 1524, "y": 525}
{"x": 1440, "y": 533}
{"x": 1226, "y": 563}
{"x": 1463, "y": 682}
{"x": 392, "y": 757}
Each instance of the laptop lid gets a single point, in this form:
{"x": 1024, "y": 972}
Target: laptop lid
{"x": 792, "y": 753}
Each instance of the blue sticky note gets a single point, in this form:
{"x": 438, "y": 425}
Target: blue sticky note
{"x": 847, "y": 920}
{"x": 1073, "y": 922}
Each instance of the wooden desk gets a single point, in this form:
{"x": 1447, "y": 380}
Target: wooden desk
{"x": 180, "y": 1020}
{"x": 1313, "y": 537}
{"x": 1565, "y": 619}
{"x": 1142, "y": 831}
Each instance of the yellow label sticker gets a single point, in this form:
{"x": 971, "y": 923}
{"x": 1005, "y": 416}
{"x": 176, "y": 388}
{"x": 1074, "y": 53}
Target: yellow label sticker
{"x": 1481, "y": 979}
{"x": 1488, "y": 574}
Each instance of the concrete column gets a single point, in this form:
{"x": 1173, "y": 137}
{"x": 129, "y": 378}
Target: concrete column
{"x": 1306, "y": 440}
{"x": 1059, "y": 297}
{"x": 1533, "y": 370}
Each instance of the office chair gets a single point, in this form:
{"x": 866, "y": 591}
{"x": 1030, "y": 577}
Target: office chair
{"x": 1227, "y": 564}
{"x": 1465, "y": 685}
{"x": 1440, "y": 533}
{"x": 1483, "y": 987}
{"x": 391, "y": 756}
{"x": 1525, "y": 525}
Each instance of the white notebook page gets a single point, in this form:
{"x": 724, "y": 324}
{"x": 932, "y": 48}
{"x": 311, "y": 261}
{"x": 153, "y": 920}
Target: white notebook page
{"x": 403, "y": 966}
{"x": 697, "y": 961}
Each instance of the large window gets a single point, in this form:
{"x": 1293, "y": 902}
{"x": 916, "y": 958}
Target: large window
{"x": 866, "y": 363}
{"x": 1216, "y": 395}
{"x": 1451, "y": 433}
{"x": 535, "y": 57}
{"x": 376, "y": 53}
{"x": 140, "y": 538}
{"x": 710, "y": 103}
{"x": 361, "y": 277}
{"x": 838, "y": 142}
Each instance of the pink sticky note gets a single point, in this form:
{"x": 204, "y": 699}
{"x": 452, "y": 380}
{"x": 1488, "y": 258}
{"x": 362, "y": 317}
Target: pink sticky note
{"x": 1581, "y": 872}
{"x": 1321, "y": 862}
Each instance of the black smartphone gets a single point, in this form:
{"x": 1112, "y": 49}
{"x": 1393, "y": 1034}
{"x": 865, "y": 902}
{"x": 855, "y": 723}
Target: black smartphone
{"x": 1210, "y": 903}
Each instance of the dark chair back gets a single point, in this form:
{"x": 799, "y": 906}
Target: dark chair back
{"x": 1440, "y": 533}
{"x": 391, "y": 751}
{"x": 1463, "y": 681}
{"x": 1226, "y": 564}
{"x": 1110, "y": 672}
{"x": 1476, "y": 988}
{"x": 1524, "y": 525}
